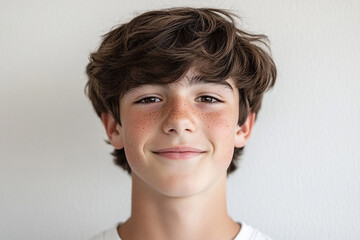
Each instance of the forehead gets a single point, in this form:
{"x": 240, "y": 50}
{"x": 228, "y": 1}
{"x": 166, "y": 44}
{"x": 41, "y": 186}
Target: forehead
{"x": 191, "y": 78}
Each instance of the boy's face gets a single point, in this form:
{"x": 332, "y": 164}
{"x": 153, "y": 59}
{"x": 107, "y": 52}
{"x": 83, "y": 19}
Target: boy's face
{"x": 179, "y": 138}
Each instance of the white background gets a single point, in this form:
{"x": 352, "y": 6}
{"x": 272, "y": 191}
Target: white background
{"x": 300, "y": 175}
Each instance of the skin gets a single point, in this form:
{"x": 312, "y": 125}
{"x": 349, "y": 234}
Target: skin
{"x": 179, "y": 194}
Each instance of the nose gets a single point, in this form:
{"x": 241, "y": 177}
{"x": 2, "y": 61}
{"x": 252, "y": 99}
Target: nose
{"x": 179, "y": 117}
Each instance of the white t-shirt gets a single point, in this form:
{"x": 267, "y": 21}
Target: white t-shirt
{"x": 246, "y": 233}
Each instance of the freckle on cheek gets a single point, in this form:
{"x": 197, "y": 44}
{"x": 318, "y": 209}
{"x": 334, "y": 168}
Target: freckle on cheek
{"x": 215, "y": 119}
{"x": 142, "y": 122}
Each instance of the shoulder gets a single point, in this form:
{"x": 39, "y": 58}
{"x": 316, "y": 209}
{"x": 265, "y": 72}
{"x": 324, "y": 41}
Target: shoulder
{"x": 247, "y": 232}
{"x": 110, "y": 234}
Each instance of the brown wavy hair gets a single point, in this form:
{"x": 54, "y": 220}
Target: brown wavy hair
{"x": 158, "y": 47}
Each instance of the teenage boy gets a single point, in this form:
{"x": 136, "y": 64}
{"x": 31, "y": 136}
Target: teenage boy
{"x": 178, "y": 91}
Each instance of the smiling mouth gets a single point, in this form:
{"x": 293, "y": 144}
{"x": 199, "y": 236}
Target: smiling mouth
{"x": 179, "y": 153}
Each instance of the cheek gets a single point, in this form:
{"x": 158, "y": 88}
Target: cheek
{"x": 220, "y": 129}
{"x": 137, "y": 127}
{"x": 220, "y": 125}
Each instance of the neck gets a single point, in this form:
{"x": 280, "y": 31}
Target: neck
{"x": 201, "y": 216}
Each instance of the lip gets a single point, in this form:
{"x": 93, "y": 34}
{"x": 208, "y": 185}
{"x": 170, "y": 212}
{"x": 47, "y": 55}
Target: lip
{"x": 179, "y": 153}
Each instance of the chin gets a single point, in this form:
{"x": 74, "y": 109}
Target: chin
{"x": 184, "y": 186}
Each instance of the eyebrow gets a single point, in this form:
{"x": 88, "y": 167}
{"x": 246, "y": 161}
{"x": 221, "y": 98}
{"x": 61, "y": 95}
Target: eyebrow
{"x": 198, "y": 79}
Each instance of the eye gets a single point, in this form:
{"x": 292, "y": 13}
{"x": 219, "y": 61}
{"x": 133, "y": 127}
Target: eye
{"x": 148, "y": 100}
{"x": 207, "y": 99}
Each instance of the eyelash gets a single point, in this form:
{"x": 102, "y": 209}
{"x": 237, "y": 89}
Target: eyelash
{"x": 212, "y": 99}
{"x": 203, "y": 99}
{"x": 148, "y": 100}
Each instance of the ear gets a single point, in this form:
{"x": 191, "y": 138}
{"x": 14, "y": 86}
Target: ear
{"x": 113, "y": 130}
{"x": 243, "y": 132}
